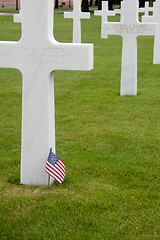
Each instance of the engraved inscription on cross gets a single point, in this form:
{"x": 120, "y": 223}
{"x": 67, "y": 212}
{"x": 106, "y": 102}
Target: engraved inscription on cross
{"x": 77, "y": 15}
{"x": 156, "y": 19}
{"x": 37, "y": 55}
{"x": 129, "y": 28}
{"x": 104, "y": 13}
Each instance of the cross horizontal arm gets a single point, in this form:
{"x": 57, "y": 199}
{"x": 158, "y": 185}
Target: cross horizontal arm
{"x": 52, "y": 56}
{"x": 105, "y": 14}
{"x": 118, "y": 10}
{"x": 77, "y": 15}
{"x": 141, "y": 10}
{"x": 135, "y": 29}
{"x": 113, "y": 28}
{"x": 74, "y": 57}
{"x": 148, "y": 19}
{"x": 8, "y": 53}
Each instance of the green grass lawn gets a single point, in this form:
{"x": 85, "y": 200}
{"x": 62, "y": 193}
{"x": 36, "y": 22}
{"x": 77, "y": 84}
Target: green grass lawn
{"x": 110, "y": 145}
{"x": 9, "y": 10}
{"x": 16, "y": 11}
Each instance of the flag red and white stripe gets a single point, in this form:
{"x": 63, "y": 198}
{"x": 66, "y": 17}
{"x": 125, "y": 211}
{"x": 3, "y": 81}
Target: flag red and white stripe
{"x": 55, "y": 167}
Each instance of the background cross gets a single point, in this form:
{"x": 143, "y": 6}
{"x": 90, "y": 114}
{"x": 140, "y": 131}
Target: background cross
{"x": 156, "y": 19}
{"x": 76, "y": 15}
{"x": 104, "y": 13}
{"x": 129, "y": 28}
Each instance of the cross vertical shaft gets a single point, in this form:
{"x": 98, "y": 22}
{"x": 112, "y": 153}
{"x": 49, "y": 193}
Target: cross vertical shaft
{"x": 38, "y": 121}
{"x": 129, "y": 68}
{"x": 38, "y": 118}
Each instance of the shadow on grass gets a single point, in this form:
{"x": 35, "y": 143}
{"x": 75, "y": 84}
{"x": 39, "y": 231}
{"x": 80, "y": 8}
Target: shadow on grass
{"x": 14, "y": 180}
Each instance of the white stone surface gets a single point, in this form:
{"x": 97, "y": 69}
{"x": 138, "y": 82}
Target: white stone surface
{"x": 156, "y": 19}
{"x": 104, "y": 13}
{"x": 37, "y": 55}
{"x": 76, "y": 15}
{"x": 129, "y": 28}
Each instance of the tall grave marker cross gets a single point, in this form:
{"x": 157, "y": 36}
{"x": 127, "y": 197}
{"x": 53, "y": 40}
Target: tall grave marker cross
{"x": 37, "y": 55}
{"x": 77, "y": 15}
{"x": 104, "y": 13}
{"x": 156, "y": 19}
{"x": 129, "y": 28}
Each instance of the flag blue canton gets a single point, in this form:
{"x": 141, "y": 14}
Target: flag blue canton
{"x": 52, "y": 158}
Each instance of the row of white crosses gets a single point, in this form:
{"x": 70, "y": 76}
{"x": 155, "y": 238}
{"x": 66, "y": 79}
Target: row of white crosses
{"x": 156, "y": 19}
{"x": 129, "y": 28}
{"x": 37, "y": 55}
{"x": 128, "y": 74}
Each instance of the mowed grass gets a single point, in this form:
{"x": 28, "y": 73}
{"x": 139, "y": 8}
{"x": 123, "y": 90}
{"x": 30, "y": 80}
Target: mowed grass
{"x": 110, "y": 145}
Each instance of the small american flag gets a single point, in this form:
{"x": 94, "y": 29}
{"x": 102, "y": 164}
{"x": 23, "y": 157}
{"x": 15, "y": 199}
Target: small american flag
{"x": 55, "y": 167}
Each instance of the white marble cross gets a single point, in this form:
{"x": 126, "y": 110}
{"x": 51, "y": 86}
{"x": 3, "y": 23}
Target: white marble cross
{"x": 129, "y": 28}
{"x": 104, "y": 13}
{"x": 156, "y": 19}
{"x": 76, "y": 15}
{"x": 37, "y": 55}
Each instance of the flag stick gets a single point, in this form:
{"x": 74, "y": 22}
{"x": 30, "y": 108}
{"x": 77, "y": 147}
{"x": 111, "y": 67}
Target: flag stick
{"x": 49, "y": 175}
{"x": 48, "y": 180}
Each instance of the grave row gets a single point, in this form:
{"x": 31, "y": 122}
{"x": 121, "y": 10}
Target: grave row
{"x": 129, "y": 27}
{"x": 37, "y": 55}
